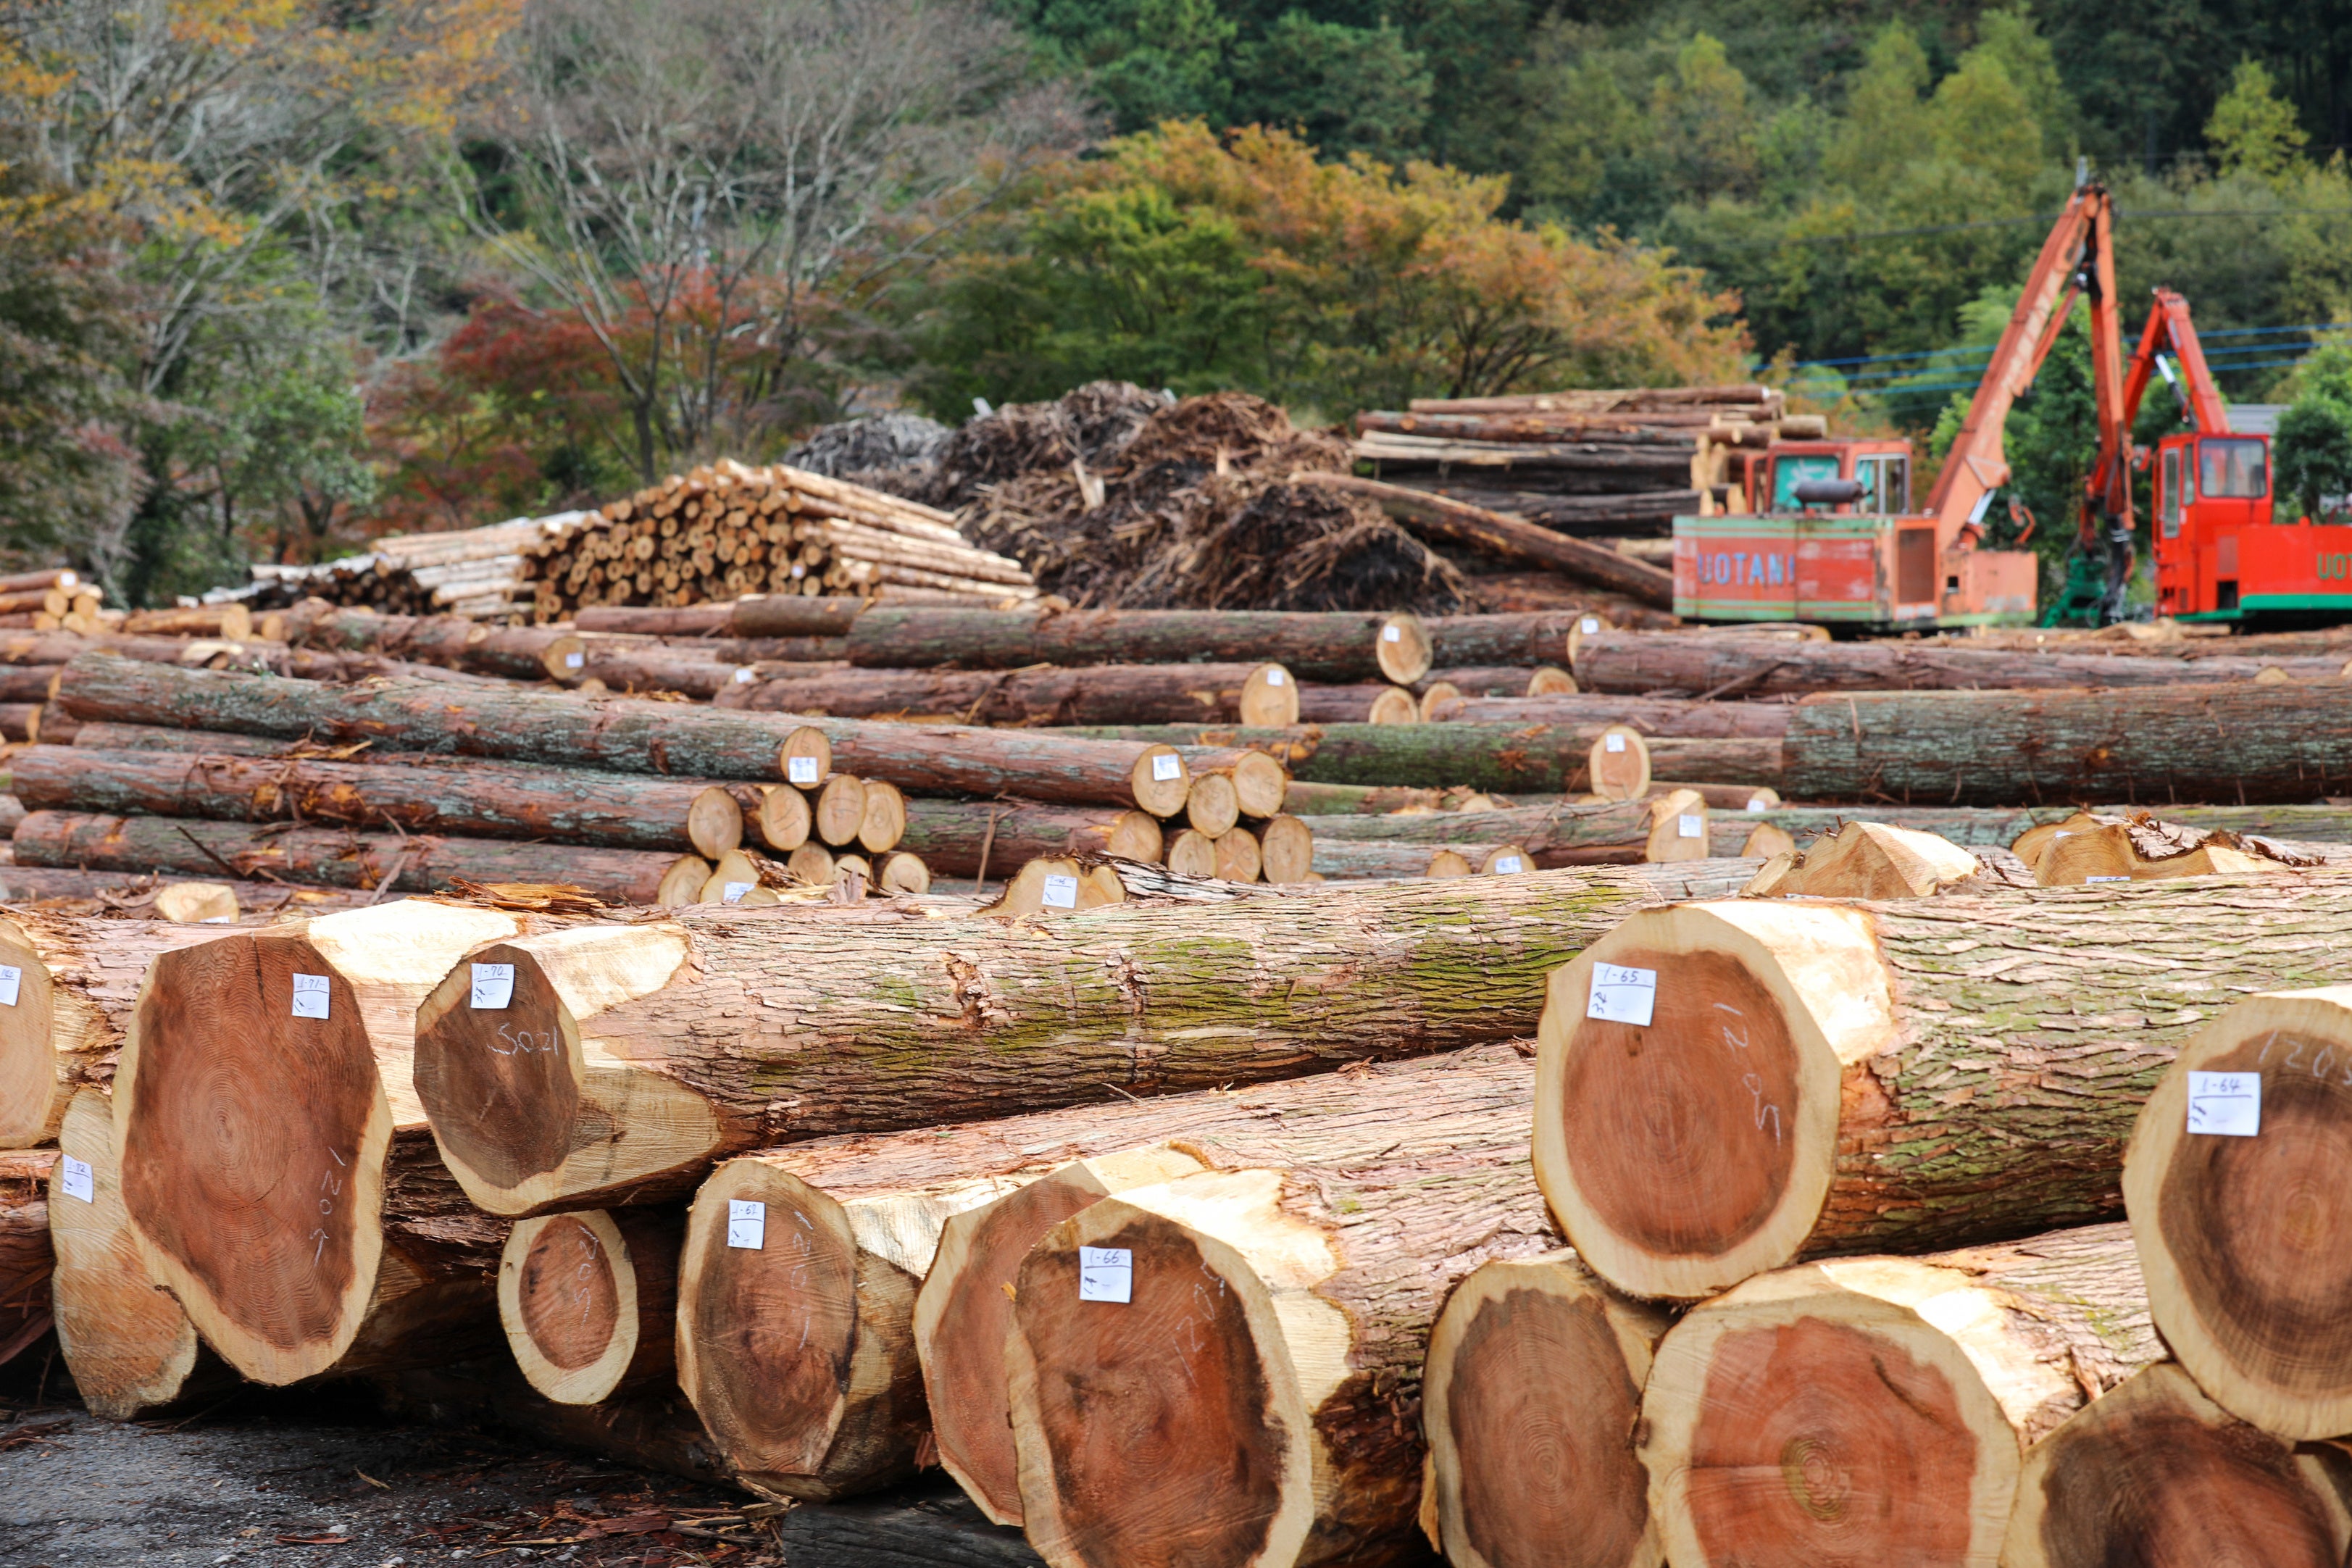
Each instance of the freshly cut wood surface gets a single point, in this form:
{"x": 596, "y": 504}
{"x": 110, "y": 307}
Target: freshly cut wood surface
{"x": 1869, "y": 860}
{"x": 264, "y": 1148}
{"x": 469, "y": 797}
{"x": 589, "y": 1300}
{"x": 681, "y": 1041}
{"x": 794, "y": 1341}
{"x": 1651, "y": 715}
{"x": 1251, "y": 1400}
{"x": 78, "y": 979}
{"x": 2247, "y": 1237}
{"x": 2245, "y": 742}
{"x": 1101, "y": 694}
{"x": 1867, "y": 1077}
{"x": 1877, "y": 1409}
{"x": 27, "y": 1258}
{"x": 1339, "y": 645}
{"x": 130, "y": 1347}
{"x": 2100, "y": 847}
{"x": 1497, "y": 533}
{"x": 618, "y": 733}
{"x": 1693, "y": 663}
{"x": 334, "y": 857}
{"x": 2153, "y": 1471}
{"x": 1530, "y": 1399}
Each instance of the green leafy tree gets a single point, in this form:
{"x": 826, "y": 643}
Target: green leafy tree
{"x": 2252, "y": 131}
{"x": 1347, "y": 89}
{"x": 2312, "y": 448}
{"x": 1704, "y": 127}
{"x": 1146, "y": 60}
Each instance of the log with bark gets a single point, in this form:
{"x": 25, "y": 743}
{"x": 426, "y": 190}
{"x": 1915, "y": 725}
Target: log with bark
{"x": 629, "y": 669}
{"x": 467, "y": 797}
{"x": 1098, "y": 694}
{"x": 66, "y": 997}
{"x": 1654, "y": 716}
{"x": 1869, "y": 860}
{"x": 721, "y": 1029}
{"x": 1532, "y": 636}
{"x": 1530, "y": 1399}
{"x": 1356, "y": 705}
{"x": 1245, "y": 1390}
{"x": 334, "y": 857}
{"x": 137, "y": 895}
{"x": 1516, "y": 759}
{"x": 589, "y": 1300}
{"x": 964, "y": 839}
{"x": 275, "y": 1162}
{"x": 1757, "y": 1080}
{"x": 1646, "y": 514}
{"x": 627, "y": 735}
{"x": 26, "y": 1256}
{"x": 1616, "y": 834}
{"x": 1877, "y": 1409}
{"x": 2236, "y": 1192}
{"x": 2245, "y": 742}
{"x": 1497, "y": 534}
{"x": 753, "y": 615}
{"x": 454, "y": 642}
{"x": 1691, "y": 663}
{"x": 131, "y": 1348}
{"x": 2153, "y": 1471}
{"x": 1336, "y": 646}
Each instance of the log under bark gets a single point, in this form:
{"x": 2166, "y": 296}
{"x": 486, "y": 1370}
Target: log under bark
{"x": 1099, "y": 694}
{"x": 1343, "y": 646}
{"x": 1814, "y": 1079}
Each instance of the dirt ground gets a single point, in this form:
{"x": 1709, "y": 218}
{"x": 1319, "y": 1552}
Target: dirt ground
{"x": 326, "y": 1477}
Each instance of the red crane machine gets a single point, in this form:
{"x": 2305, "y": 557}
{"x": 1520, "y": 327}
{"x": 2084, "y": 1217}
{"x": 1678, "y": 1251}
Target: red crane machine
{"x": 2221, "y": 553}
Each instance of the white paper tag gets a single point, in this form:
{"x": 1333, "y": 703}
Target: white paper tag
{"x": 2106, "y": 879}
{"x": 1509, "y": 865}
{"x": 1622, "y": 996}
{"x": 1757, "y": 806}
{"x": 79, "y": 1181}
{"x": 732, "y": 893}
{"x": 1166, "y": 768}
{"x": 219, "y": 921}
{"x": 1691, "y": 826}
{"x": 1392, "y": 634}
{"x": 310, "y": 996}
{"x": 493, "y": 986}
{"x": 1589, "y": 626}
{"x": 1106, "y": 1274}
{"x": 2229, "y": 1103}
{"x": 1613, "y": 742}
{"x": 1274, "y": 678}
{"x": 743, "y": 675}
{"x": 12, "y": 980}
{"x": 747, "y": 1224}
{"x": 1061, "y": 893}
{"x": 574, "y": 660}
{"x": 799, "y": 570}
{"x": 800, "y": 770}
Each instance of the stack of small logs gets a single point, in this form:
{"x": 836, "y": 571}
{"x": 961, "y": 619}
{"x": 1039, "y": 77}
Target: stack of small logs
{"x": 1608, "y": 462}
{"x": 727, "y": 529}
{"x": 476, "y": 573}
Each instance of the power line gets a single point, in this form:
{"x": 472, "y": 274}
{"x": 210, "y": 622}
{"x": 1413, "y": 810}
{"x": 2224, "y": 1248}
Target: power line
{"x": 1786, "y": 241}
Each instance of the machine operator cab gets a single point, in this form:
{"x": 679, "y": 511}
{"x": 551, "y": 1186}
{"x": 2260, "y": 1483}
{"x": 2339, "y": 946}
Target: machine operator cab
{"x": 2212, "y": 495}
{"x": 1842, "y": 476}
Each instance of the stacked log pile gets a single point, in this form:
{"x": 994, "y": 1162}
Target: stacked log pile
{"x": 480, "y": 573}
{"x": 726, "y": 530}
{"x": 1624, "y": 462}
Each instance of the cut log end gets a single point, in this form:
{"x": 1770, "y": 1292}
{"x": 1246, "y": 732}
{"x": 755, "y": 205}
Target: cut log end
{"x": 1135, "y": 836}
{"x": 1403, "y": 649}
{"x": 1618, "y": 767}
{"x": 1212, "y": 806}
{"x": 1270, "y": 697}
{"x": 2247, "y": 1240}
{"x": 1287, "y": 850}
{"x": 1159, "y": 781}
{"x": 1238, "y": 856}
{"x": 198, "y": 903}
{"x": 1394, "y": 705}
{"x": 1259, "y": 784}
{"x": 568, "y": 1300}
{"x": 885, "y": 820}
{"x": 903, "y": 873}
{"x": 840, "y": 810}
{"x": 253, "y": 1140}
{"x": 1150, "y": 1430}
{"x": 776, "y": 1348}
{"x": 1191, "y": 853}
{"x": 784, "y": 818}
{"x": 682, "y": 883}
{"x": 1677, "y": 828}
{"x": 966, "y": 1305}
{"x": 714, "y": 822}
{"x": 1530, "y": 1399}
{"x": 805, "y": 757}
{"x": 2155, "y": 1472}
{"x": 1551, "y": 680}
{"x": 1689, "y": 1146}
{"x": 33, "y": 1092}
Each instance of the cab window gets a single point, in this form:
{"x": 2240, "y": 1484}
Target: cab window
{"x": 1794, "y": 469}
{"x": 2169, "y": 506}
{"x": 2231, "y": 469}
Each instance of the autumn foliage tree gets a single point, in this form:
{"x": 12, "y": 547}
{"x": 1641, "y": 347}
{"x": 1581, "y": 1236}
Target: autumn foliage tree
{"x": 1191, "y": 260}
